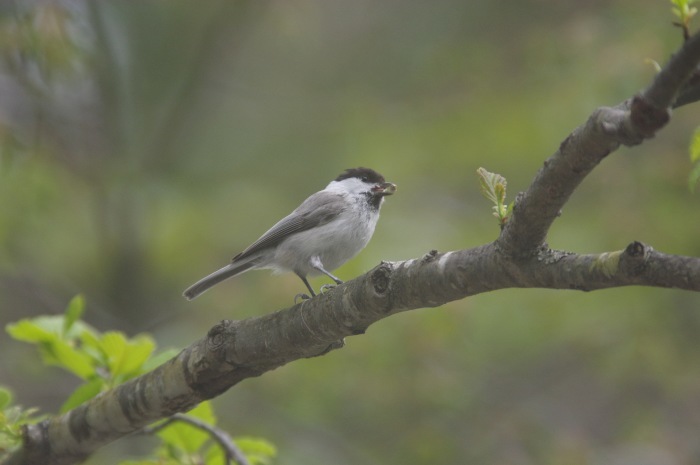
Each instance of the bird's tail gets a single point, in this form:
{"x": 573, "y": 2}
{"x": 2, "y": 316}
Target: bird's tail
{"x": 216, "y": 277}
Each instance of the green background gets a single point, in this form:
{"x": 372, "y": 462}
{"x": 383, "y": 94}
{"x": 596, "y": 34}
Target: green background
{"x": 145, "y": 143}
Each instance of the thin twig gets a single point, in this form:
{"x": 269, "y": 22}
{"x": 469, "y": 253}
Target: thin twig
{"x": 227, "y": 444}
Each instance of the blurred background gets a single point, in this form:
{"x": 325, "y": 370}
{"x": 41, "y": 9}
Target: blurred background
{"x": 143, "y": 144}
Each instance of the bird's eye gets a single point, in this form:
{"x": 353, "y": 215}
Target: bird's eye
{"x": 364, "y": 179}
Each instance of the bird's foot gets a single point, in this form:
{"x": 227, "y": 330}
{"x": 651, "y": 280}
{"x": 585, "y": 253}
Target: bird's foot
{"x": 301, "y": 296}
{"x": 328, "y": 287}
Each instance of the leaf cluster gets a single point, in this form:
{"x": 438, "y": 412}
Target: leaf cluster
{"x": 684, "y": 12}
{"x": 103, "y": 361}
{"x": 12, "y": 417}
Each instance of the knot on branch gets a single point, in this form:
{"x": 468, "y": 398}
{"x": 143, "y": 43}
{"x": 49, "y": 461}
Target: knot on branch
{"x": 381, "y": 277}
{"x": 635, "y": 249}
{"x": 339, "y": 344}
{"x": 634, "y": 258}
{"x": 218, "y": 336}
{"x": 646, "y": 118}
{"x": 632, "y": 122}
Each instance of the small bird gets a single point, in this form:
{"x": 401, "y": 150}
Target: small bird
{"x": 325, "y": 231}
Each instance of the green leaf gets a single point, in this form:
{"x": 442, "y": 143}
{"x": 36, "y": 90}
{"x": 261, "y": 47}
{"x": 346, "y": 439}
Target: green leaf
{"x": 215, "y": 455}
{"x": 509, "y": 210}
{"x": 138, "y": 350}
{"x": 74, "y": 310}
{"x": 683, "y": 10}
{"x": 257, "y": 450}
{"x": 5, "y": 398}
{"x": 695, "y": 146}
{"x": 500, "y": 190}
{"x": 45, "y": 329}
{"x": 493, "y": 187}
{"x": 204, "y": 412}
{"x": 46, "y": 332}
{"x": 489, "y": 182}
{"x": 91, "y": 345}
{"x": 35, "y": 330}
{"x": 125, "y": 357}
{"x": 694, "y": 150}
{"x": 83, "y": 393}
{"x": 63, "y": 354}
{"x": 113, "y": 346}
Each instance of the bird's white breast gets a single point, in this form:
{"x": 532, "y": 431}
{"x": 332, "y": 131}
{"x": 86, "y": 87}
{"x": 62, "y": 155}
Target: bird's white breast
{"x": 334, "y": 243}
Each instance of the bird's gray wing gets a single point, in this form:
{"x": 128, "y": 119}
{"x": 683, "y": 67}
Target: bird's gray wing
{"x": 319, "y": 209}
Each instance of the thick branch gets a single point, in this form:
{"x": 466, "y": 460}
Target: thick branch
{"x": 236, "y": 350}
{"x": 628, "y": 123}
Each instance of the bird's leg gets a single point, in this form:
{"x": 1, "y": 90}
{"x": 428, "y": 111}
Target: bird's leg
{"x": 308, "y": 286}
{"x": 316, "y": 263}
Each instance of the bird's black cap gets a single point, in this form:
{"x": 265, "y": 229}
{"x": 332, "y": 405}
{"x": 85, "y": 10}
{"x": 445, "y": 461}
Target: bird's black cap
{"x": 365, "y": 174}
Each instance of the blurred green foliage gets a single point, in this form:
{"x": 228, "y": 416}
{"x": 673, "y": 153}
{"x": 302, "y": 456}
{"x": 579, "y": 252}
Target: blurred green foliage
{"x": 183, "y": 443}
{"x": 685, "y": 13}
{"x": 695, "y": 160}
{"x": 103, "y": 361}
{"x": 168, "y": 135}
{"x": 12, "y": 417}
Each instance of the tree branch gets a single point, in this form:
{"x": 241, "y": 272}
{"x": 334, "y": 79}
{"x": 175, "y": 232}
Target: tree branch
{"x": 690, "y": 92}
{"x": 629, "y": 123}
{"x": 236, "y": 350}
{"x": 670, "y": 81}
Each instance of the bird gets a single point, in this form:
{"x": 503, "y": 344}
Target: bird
{"x": 329, "y": 228}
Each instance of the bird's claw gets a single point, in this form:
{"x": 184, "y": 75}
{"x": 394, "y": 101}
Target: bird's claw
{"x": 301, "y": 296}
{"x": 327, "y": 287}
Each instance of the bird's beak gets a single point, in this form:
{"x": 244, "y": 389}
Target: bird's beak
{"x": 385, "y": 188}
